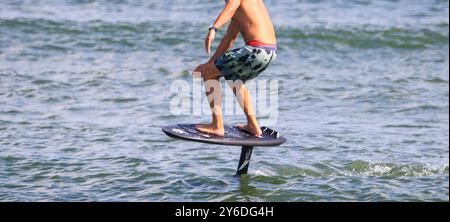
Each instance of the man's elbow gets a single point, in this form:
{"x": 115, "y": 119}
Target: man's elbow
{"x": 234, "y": 4}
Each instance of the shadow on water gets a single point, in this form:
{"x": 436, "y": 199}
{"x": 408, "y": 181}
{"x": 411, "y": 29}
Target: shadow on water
{"x": 246, "y": 189}
{"x": 256, "y": 188}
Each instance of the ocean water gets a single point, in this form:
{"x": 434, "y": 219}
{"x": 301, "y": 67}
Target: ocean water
{"x": 84, "y": 92}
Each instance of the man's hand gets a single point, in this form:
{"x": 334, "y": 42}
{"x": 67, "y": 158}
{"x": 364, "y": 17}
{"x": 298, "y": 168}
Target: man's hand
{"x": 198, "y": 72}
{"x": 209, "y": 39}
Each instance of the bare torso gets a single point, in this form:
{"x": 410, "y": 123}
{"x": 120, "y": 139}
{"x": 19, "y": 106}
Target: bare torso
{"x": 254, "y": 22}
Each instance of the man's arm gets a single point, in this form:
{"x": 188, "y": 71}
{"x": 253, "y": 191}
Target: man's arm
{"x": 227, "y": 13}
{"x": 227, "y": 41}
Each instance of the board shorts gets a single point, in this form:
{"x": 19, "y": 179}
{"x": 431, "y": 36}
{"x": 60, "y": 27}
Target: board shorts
{"x": 247, "y": 62}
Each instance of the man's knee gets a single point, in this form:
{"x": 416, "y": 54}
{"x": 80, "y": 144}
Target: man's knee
{"x": 210, "y": 71}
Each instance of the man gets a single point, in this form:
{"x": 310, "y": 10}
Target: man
{"x": 252, "y": 20}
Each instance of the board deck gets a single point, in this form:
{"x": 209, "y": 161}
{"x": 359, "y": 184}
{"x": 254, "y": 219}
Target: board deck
{"x": 233, "y": 136}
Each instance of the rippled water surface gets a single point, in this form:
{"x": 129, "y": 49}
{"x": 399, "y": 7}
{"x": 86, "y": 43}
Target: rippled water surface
{"x": 84, "y": 91}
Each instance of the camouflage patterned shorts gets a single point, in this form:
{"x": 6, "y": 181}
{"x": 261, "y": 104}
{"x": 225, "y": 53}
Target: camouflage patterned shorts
{"x": 245, "y": 63}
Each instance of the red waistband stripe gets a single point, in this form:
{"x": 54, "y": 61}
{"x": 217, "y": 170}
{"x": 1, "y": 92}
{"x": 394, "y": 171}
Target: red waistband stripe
{"x": 257, "y": 43}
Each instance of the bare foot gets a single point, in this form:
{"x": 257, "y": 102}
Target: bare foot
{"x": 251, "y": 129}
{"x": 210, "y": 129}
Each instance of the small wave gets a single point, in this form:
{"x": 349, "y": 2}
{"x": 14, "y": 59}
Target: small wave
{"x": 355, "y": 168}
{"x": 38, "y": 25}
{"x": 47, "y": 84}
{"x": 264, "y": 172}
{"x": 437, "y": 80}
{"x": 408, "y": 126}
{"x": 11, "y": 159}
{"x": 101, "y": 175}
{"x": 370, "y": 37}
{"x": 362, "y": 168}
{"x": 11, "y": 112}
{"x": 286, "y": 170}
{"x": 42, "y": 82}
{"x": 120, "y": 100}
{"x": 421, "y": 108}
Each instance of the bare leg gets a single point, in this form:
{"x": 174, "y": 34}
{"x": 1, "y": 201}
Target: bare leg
{"x": 244, "y": 99}
{"x": 213, "y": 91}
